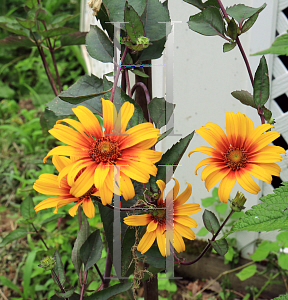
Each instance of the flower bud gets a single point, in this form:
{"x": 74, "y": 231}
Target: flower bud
{"x": 238, "y": 202}
{"x": 48, "y": 263}
{"x": 144, "y": 41}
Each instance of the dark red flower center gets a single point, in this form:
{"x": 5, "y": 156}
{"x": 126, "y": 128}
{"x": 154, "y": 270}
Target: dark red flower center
{"x": 159, "y": 215}
{"x": 235, "y": 158}
{"x": 104, "y": 150}
{"x": 88, "y": 194}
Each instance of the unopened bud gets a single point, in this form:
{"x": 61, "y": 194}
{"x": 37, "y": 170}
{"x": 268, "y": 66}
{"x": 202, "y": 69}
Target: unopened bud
{"x": 48, "y": 263}
{"x": 144, "y": 41}
{"x": 238, "y": 202}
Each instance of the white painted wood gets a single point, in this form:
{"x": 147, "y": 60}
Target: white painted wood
{"x": 282, "y": 23}
{"x": 282, "y": 4}
{"x": 278, "y": 67}
{"x": 279, "y": 86}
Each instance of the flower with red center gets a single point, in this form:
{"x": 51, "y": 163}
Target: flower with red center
{"x": 69, "y": 191}
{"x": 111, "y": 158}
{"x": 239, "y": 154}
{"x": 172, "y": 208}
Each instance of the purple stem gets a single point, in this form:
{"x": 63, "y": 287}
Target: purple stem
{"x": 144, "y": 87}
{"x": 117, "y": 74}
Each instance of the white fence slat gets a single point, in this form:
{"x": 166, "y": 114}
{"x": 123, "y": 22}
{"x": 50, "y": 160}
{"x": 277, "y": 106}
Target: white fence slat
{"x": 278, "y": 67}
{"x": 282, "y": 23}
{"x": 282, "y": 4}
{"x": 279, "y": 86}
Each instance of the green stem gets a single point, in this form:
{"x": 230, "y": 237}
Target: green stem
{"x": 265, "y": 285}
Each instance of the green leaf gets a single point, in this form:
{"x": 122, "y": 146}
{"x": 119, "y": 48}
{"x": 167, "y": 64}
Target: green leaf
{"x": 249, "y": 23}
{"x": 139, "y": 73}
{"x": 269, "y": 215}
{"x": 263, "y": 250}
{"x": 155, "y": 18}
{"x": 27, "y": 209}
{"x": 242, "y": 12}
{"x": 247, "y": 272}
{"x": 229, "y": 46}
{"x": 59, "y": 268}
{"x": 10, "y": 25}
{"x": 80, "y": 240}
{"x": 65, "y": 295}
{"x": 153, "y": 257}
{"x": 160, "y": 111}
{"x": 27, "y": 271}
{"x": 16, "y": 41}
{"x": 215, "y": 193}
{"x": 281, "y": 297}
{"x": 47, "y": 121}
{"x": 133, "y": 23}
{"x": 280, "y": 46}
{"x": 80, "y": 99}
{"x": 220, "y": 246}
{"x": 164, "y": 134}
{"x": 13, "y": 235}
{"x": 202, "y": 232}
{"x": 208, "y": 201}
{"x": 261, "y": 84}
{"x": 55, "y": 32}
{"x": 200, "y": 5}
{"x": 210, "y": 221}
{"x": 230, "y": 254}
{"x": 73, "y": 297}
{"x": 104, "y": 18}
{"x": 154, "y": 51}
{"x": 91, "y": 250}
{"x": 41, "y": 14}
{"x": 98, "y": 44}
{"x": 282, "y": 237}
{"x": 128, "y": 243}
{"x": 232, "y": 29}
{"x": 116, "y": 9}
{"x": 84, "y": 86}
{"x": 13, "y": 287}
{"x": 110, "y": 291}
{"x": 61, "y": 19}
{"x": 74, "y": 38}
{"x": 221, "y": 208}
{"x": 267, "y": 113}
{"x": 208, "y": 22}
{"x": 171, "y": 158}
{"x": 25, "y": 23}
{"x": 31, "y": 3}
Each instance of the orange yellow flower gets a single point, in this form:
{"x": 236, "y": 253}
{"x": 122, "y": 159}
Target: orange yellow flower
{"x": 112, "y": 157}
{"x": 69, "y": 191}
{"x": 157, "y": 220}
{"x": 239, "y": 153}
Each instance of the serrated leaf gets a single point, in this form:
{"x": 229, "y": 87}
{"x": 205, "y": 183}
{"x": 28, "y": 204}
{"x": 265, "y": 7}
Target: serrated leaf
{"x": 263, "y": 250}
{"x": 261, "y": 84}
{"x": 74, "y": 38}
{"x": 47, "y": 121}
{"x": 200, "y": 5}
{"x": 65, "y": 295}
{"x": 208, "y": 22}
{"x": 84, "y": 86}
{"x": 281, "y": 297}
{"x": 160, "y": 111}
{"x": 27, "y": 209}
{"x": 80, "y": 240}
{"x": 98, "y": 44}
{"x": 244, "y": 97}
{"x": 133, "y": 23}
{"x": 280, "y": 46}
{"x": 220, "y": 246}
{"x": 16, "y": 41}
{"x": 110, "y": 291}
{"x": 91, "y": 250}
{"x": 171, "y": 158}
{"x": 249, "y": 23}
{"x": 232, "y": 29}
{"x": 229, "y": 46}
{"x": 156, "y": 20}
{"x": 13, "y": 235}
{"x": 210, "y": 221}
{"x": 59, "y": 269}
{"x": 56, "y": 31}
{"x": 242, "y": 12}
{"x": 247, "y": 272}
{"x": 271, "y": 214}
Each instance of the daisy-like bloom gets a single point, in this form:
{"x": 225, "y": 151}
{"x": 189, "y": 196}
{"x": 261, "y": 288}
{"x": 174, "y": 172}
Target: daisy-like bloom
{"x": 126, "y": 151}
{"x": 156, "y": 220}
{"x": 69, "y": 191}
{"x": 242, "y": 152}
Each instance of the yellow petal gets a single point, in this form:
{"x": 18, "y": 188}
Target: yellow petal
{"x": 78, "y": 126}
{"x": 66, "y": 151}
{"x": 212, "y": 168}
{"x": 138, "y": 154}
{"x": 138, "y": 220}
{"x": 219, "y": 135}
{"x": 263, "y": 141}
{"x": 88, "y": 208}
{"x": 185, "y": 220}
{"x": 161, "y": 241}
{"x": 152, "y": 226}
{"x": 272, "y": 169}
{"x": 185, "y": 231}
{"x": 179, "y": 244}
{"x": 84, "y": 183}
{"x": 207, "y": 150}
{"x": 215, "y": 177}
{"x": 176, "y": 187}
{"x": 125, "y": 114}
{"x": 126, "y": 187}
{"x": 226, "y": 186}
{"x": 187, "y": 209}
{"x": 73, "y": 210}
{"x": 259, "y": 172}
{"x": 161, "y": 184}
{"x": 146, "y": 241}
{"x": 255, "y": 134}
{"x": 109, "y": 115}
{"x": 137, "y": 171}
{"x": 49, "y": 202}
{"x": 246, "y": 181}
{"x": 89, "y": 121}
{"x": 204, "y": 162}
{"x": 184, "y": 196}
{"x": 60, "y": 162}
{"x": 100, "y": 174}
{"x": 210, "y": 137}
{"x": 106, "y": 192}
